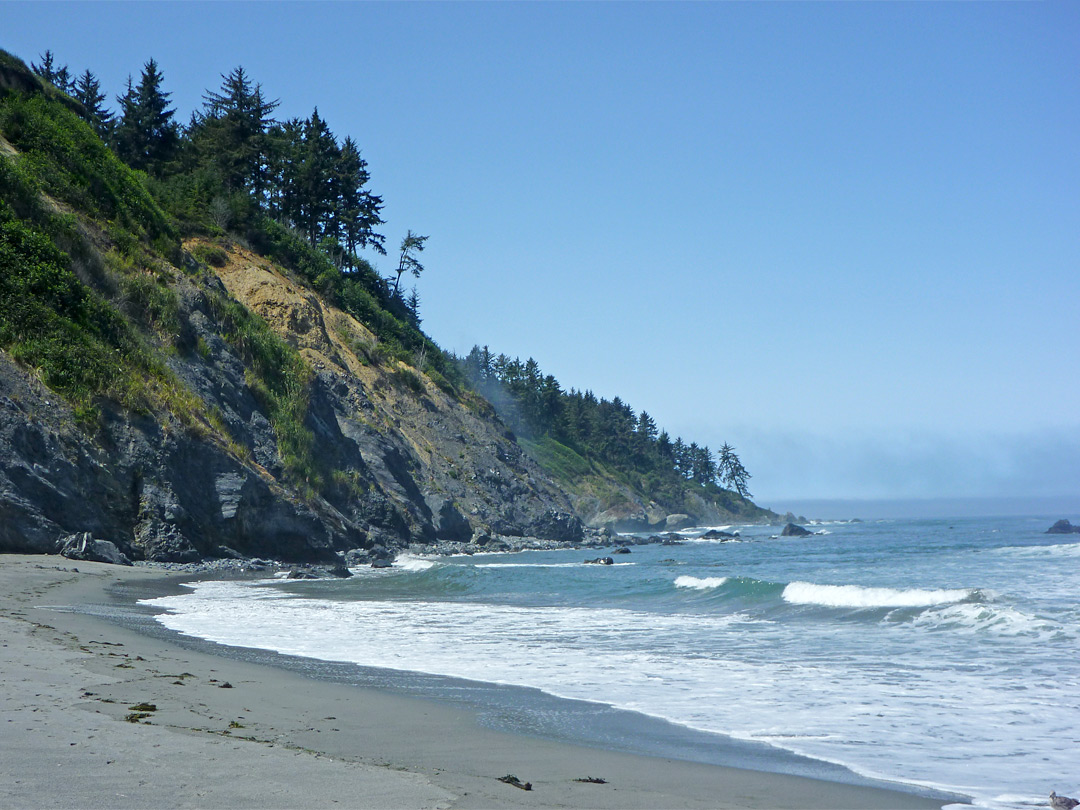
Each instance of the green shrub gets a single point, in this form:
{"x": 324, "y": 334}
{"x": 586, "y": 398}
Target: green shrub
{"x": 211, "y": 255}
{"x": 148, "y": 300}
{"x": 442, "y": 383}
{"x": 557, "y": 459}
{"x": 404, "y": 378}
{"x": 70, "y": 163}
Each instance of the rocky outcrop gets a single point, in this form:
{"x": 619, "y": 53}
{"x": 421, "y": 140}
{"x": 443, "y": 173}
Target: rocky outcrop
{"x": 717, "y": 534}
{"x": 792, "y": 530}
{"x": 397, "y": 467}
{"x": 84, "y": 547}
{"x": 1063, "y": 527}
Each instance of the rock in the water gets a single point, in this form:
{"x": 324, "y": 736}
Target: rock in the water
{"x": 83, "y": 546}
{"x": 716, "y": 534}
{"x": 382, "y": 562}
{"x": 341, "y": 571}
{"x": 1063, "y": 527}
{"x": 791, "y": 530}
{"x": 621, "y": 550}
{"x": 601, "y": 561}
{"x": 674, "y": 523}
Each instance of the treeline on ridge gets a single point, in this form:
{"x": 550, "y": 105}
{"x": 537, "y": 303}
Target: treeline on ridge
{"x": 536, "y": 406}
{"x": 288, "y": 188}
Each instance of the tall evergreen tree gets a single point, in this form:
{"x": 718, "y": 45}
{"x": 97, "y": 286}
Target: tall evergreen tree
{"x": 358, "y": 209}
{"x": 233, "y": 132}
{"x": 412, "y": 306}
{"x": 739, "y": 477}
{"x": 408, "y": 263}
{"x": 87, "y": 90}
{"x": 315, "y": 186}
{"x": 146, "y": 135}
{"x": 58, "y": 75}
{"x": 646, "y": 427}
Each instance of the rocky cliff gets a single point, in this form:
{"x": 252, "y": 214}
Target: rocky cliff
{"x": 405, "y": 462}
{"x": 196, "y": 398}
{"x": 392, "y": 458}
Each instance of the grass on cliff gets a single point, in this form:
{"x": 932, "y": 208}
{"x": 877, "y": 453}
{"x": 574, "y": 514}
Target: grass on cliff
{"x": 66, "y": 159}
{"x": 69, "y": 307}
{"x": 280, "y": 380}
{"x": 82, "y": 346}
{"x": 557, "y": 459}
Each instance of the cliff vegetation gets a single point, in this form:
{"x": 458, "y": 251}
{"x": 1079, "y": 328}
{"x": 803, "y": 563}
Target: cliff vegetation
{"x": 197, "y": 361}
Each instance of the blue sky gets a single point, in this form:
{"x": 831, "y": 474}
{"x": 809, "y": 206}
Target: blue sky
{"x": 844, "y": 237}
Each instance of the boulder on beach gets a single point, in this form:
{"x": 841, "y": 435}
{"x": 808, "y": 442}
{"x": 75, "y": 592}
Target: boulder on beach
{"x": 1063, "y": 527}
{"x": 791, "y": 530}
{"x": 82, "y": 546}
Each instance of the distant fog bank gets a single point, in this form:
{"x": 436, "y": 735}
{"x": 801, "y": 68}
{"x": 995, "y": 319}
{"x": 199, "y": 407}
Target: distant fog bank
{"x": 871, "y": 508}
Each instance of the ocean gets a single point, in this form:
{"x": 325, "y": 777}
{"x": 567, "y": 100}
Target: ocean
{"x": 935, "y": 652}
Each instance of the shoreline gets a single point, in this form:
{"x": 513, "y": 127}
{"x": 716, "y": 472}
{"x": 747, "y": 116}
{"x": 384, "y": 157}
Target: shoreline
{"x": 281, "y": 738}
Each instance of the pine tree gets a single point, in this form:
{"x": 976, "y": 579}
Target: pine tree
{"x": 48, "y": 70}
{"x": 358, "y": 209}
{"x": 233, "y": 133}
{"x": 87, "y": 91}
{"x": 646, "y": 427}
{"x": 412, "y": 305}
{"x": 146, "y": 136}
{"x": 315, "y": 185}
{"x": 410, "y": 246}
{"x": 739, "y": 477}
{"x": 725, "y": 464}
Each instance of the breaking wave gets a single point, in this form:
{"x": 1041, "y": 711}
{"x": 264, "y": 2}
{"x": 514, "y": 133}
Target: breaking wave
{"x": 700, "y": 583}
{"x": 857, "y": 596}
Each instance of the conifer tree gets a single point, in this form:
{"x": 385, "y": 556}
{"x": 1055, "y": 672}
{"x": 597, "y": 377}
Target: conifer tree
{"x": 412, "y": 305}
{"x": 739, "y": 477}
{"x": 358, "y": 209}
{"x": 146, "y": 135}
{"x": 59, "y": 77}
{"x": 233, "y": 132}
{"x": 87, "y": 90}
{"x": 314, "y": 183}
{"x": 408, "y": 263}
{"x": 646, "y": 427}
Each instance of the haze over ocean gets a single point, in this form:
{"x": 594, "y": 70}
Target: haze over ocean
{"x": 842, "y": 237}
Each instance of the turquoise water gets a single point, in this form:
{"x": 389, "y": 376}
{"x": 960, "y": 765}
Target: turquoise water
{"x": 937, "y": 652}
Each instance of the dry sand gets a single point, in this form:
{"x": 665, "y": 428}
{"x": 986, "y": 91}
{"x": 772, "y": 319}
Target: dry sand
{"x": 275, "y": 738}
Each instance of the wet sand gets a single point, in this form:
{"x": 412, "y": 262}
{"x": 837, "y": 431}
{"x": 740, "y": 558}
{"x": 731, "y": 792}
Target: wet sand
{"x": 231, "y": 733}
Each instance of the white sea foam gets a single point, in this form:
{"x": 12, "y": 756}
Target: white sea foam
{"x": 857, "y": 596}
{"x": 1057, "y": 550}
{"x": 951, "y": 687}
{"x": 529, "y": 565}
{"x": 407, "y": 562}
{"x": 701, "y": 584}
{"x": 981, "y": 618}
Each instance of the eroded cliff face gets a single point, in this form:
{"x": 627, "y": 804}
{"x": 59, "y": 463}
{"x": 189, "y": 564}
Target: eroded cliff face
{"x": 404, "y": 461}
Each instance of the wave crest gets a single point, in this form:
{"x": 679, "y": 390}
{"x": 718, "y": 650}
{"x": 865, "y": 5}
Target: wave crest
{"x": 857, "y": 596}
{"x": 700, "y": 583}
{"x": 407, "y": 562}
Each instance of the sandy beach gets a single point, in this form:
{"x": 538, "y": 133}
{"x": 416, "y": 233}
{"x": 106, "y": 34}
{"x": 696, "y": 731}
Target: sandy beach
{"x": 95, "y": 715}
